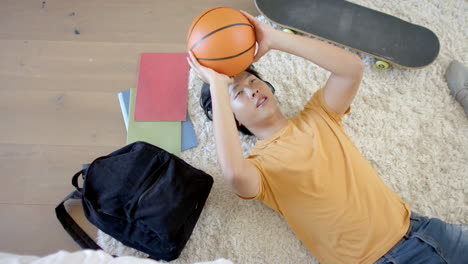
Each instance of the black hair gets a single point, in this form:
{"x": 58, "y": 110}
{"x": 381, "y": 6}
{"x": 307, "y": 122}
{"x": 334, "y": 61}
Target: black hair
{"x": 205, "y": 100}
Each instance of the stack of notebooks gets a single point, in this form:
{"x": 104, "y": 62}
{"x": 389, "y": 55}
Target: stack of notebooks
{"x": 156, "y": 111}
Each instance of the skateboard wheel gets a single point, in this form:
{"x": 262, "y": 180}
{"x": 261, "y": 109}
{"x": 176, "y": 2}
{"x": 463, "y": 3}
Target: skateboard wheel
{"x": 287, "y": 30}
{"x": 382, "y": 65}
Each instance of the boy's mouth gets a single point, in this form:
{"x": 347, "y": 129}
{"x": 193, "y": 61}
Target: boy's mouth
{"x": 261, "y": 101}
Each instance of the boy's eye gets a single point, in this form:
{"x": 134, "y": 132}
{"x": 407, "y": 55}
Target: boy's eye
{"x": 237, "y": 94}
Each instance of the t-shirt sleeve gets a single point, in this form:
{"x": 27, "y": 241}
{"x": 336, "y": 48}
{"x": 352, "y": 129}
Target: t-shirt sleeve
{"x": 265, "y": 193}
{"x": 317, "y": 103}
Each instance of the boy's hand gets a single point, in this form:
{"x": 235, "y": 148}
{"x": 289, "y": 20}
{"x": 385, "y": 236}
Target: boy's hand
{"x": 206, "y": 74}
{"x": 265, "y": 35}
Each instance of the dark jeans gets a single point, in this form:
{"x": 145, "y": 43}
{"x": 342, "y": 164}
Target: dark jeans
{"x": 430, "y": 241}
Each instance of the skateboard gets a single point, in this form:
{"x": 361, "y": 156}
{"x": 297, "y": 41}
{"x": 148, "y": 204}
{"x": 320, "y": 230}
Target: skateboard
{"x": 391, "y": 40}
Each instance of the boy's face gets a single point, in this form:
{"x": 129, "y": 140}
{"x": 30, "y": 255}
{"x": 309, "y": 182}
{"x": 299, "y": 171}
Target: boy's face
{"x": 252, "y": 100}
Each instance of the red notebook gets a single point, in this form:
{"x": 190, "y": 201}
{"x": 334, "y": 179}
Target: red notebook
{"x": 162, "y": 87}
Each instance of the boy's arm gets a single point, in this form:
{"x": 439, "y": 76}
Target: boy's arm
{"x": 346, "y": 68}
{"x": 238, "y": 173}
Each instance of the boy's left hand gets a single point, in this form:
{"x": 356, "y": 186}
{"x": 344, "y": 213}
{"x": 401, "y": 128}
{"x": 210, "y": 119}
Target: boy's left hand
{"x": 265, "y": 35}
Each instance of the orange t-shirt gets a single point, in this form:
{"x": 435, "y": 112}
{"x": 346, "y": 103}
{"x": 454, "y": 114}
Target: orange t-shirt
{"x": 331, "y": 197}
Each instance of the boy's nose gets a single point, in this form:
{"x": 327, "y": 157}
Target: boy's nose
{"x": 253, "y": 92}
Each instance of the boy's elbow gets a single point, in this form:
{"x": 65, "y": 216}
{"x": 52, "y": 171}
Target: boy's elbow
{"x": 358, "y": 66}
{"x": 352, "y": 68}
{"x": 230, "y": 175}
{"x": 356, "y": 69}
{"x": 234, "y": 178}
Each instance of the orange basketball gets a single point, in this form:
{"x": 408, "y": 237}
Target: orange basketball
{"x": 223, "y": 39}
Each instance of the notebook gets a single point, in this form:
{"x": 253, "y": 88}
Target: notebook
{"x": 189, "y": 139}
{"x": 164, "y": 134}
{"x": 162, "y": 87}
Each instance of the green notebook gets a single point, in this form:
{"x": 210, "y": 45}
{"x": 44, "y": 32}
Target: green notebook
{"x": 164, "y": 134}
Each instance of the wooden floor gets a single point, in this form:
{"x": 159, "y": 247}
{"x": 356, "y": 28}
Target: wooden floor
{"x": 62, "y": 64}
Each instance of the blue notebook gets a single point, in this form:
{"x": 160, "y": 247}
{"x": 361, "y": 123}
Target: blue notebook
{"x": 124, "y": 99}
{"x": 189, "y": 139}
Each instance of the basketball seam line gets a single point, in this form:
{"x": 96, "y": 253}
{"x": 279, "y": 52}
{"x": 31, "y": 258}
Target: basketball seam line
{"x": 230, "y": 57}
{"x": 214, "y": 8}
{"x": 219, "y": 29}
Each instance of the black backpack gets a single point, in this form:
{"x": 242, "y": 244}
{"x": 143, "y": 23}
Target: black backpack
{"x": 141, "y": 195}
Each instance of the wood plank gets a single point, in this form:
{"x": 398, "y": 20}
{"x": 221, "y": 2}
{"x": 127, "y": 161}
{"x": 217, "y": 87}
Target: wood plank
{"x": 110, "y": 20}
{"x": 83, "y": 50}
{"x": 61, "y": 118}
{"x": 41, "y": 174}
{"x": 57, "y": 82}
{"x": 56, "y": 65}
{"x": 34, "y": 229}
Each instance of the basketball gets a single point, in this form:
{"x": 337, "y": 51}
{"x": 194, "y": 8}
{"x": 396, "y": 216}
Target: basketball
{"x": 222, "y": 39}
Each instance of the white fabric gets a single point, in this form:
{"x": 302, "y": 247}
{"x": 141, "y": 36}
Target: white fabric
{"x": 84, "y": 257}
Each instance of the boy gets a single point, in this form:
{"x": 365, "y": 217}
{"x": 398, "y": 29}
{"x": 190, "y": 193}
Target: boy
{"x": 309, "y": 171}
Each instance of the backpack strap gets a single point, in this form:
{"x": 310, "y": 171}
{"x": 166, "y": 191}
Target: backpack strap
{"x": 72, "y": 228}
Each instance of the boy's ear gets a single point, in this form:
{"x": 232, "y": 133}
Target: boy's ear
{"x": 237, "y": 121}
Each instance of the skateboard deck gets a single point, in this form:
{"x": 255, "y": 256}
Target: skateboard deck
{"x": 365, "y": 30}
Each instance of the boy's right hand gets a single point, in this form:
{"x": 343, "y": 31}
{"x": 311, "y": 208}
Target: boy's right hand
{"x": 206, "y": 74}
{"x": 265, "y": 35}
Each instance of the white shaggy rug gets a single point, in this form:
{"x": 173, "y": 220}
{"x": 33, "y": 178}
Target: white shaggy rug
{"x": 405, "y": 122}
